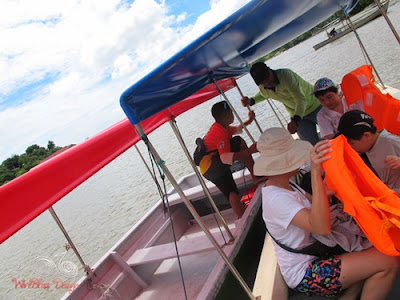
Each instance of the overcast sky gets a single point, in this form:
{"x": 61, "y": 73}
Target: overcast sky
{"x": 65, "y": 63}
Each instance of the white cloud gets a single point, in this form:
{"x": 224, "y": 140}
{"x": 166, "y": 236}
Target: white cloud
{"x": 182, "y": 17}
{"x": 97, "y": 48}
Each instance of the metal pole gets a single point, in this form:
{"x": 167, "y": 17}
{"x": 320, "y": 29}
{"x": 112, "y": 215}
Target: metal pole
{"x": 201, "y": 179}
{"x": 364, "y": 50}
{"x": 145, "y": 163}
{"x": 87, "y": 268}
{"x": 282, "y": 117}
{"x": 248, "y": 107}
{"x": 384, "y": 14}
{"x": 196, "y": 216}
{"x": 234, "y": 111}
{"x": 276, "y": 115}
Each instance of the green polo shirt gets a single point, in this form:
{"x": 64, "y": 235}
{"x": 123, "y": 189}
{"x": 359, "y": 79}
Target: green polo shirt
{"x": 292, "y": 91}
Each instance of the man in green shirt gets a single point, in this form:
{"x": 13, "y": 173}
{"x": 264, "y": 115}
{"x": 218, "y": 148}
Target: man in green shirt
{"x": 293, "y": 92}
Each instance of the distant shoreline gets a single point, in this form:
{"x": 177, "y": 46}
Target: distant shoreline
{"x": 317, "y": 29}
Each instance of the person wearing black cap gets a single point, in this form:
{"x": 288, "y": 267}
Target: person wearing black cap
{"x": 294, "y": 220}
{"x": 293, "y": 92}
{"x": 381, "y": 147}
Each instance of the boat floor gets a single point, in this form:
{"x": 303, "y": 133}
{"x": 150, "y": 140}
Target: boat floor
{"x": 166, "y": 282}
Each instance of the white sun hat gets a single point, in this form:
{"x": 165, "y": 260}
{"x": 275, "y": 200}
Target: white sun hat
{"x": 280, "y": 153}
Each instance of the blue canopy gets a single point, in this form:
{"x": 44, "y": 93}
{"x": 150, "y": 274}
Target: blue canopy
{"x": 226, "y": 51}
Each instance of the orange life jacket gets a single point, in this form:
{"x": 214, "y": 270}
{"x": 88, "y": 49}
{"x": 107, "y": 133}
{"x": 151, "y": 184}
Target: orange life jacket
{"x": 374, "y": 206}
{"x": 358, "y": 85}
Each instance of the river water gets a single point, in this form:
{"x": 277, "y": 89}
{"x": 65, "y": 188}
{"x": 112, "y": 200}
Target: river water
{"x": 35, "y": 263}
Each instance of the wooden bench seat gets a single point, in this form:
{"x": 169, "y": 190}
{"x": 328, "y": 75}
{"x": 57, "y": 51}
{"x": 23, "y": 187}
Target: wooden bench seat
{"x": 269, "y": 283}
{"x": 165, "y": 251}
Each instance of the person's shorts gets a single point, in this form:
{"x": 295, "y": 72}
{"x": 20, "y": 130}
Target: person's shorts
{"x": 322, "y": 278}
{"x": 219, "y": 173}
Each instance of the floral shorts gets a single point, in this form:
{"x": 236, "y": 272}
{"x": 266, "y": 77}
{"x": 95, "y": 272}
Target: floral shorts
{"x": 322, "y": 278}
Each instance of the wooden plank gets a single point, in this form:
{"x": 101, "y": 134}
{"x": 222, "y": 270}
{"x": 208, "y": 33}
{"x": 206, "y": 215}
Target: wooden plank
{"x": 122, "y": 263}
{"x": 166, "y": 251}
{"x": 269, "y": 283}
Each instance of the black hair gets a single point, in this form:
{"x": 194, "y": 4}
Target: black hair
{"x": 219, "y": 109}
{"x": 356, "y": 133}
{"x": 323, "y": 92}
{"x": 259, "y": 71}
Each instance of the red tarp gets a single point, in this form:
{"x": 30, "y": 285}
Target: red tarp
{"x": 27, "y": 196}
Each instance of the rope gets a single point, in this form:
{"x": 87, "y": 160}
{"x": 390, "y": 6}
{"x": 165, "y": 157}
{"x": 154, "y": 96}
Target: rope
{"x": 276, "y": 115}
{"x": 160, "y": 192}
{"x": 105, "y": 290}
{"x": 208, "y": 233}
{"x": 145, "y": 163}
{"x": 391, "y": 221}
{"x": 359, "y": 43}
{"x": 175, "y": 243}
{"x": 277, "y": 108}
{"x": 164, "y": 196}
{"x": 152, "y": 172}
{"x": 350, "y": 24}
{"x": 206, "y": 202}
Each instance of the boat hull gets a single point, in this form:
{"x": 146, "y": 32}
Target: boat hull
{"x": 143, "y": 264}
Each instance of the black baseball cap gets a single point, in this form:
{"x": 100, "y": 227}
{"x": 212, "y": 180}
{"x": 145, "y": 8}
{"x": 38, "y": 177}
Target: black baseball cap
{"x": 354, "y": 123}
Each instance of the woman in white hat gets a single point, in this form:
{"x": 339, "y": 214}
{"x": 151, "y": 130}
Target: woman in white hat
{"x": 291, "y": 219}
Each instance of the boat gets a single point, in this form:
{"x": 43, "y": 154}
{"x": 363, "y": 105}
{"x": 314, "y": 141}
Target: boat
{"x": 364, "y": 17}
{"x": 130, "y": 265}
{"x": 218, "y": 254}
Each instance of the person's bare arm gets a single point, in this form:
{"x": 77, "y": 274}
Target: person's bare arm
{"x": 317, "y": 220}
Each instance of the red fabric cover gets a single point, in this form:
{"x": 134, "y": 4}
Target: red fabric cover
{"x": 26, "y": 197}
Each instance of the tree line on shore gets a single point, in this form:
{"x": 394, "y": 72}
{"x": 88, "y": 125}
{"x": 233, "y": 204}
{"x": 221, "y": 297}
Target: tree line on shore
{"x": 17, "y": 165}
{"x": 362, "y": 4}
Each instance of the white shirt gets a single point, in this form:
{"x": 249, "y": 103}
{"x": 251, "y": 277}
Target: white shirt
{"x": 279, "y": 208}
{"x": 386, "y": 144}
{"x": 328, "y": 120}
